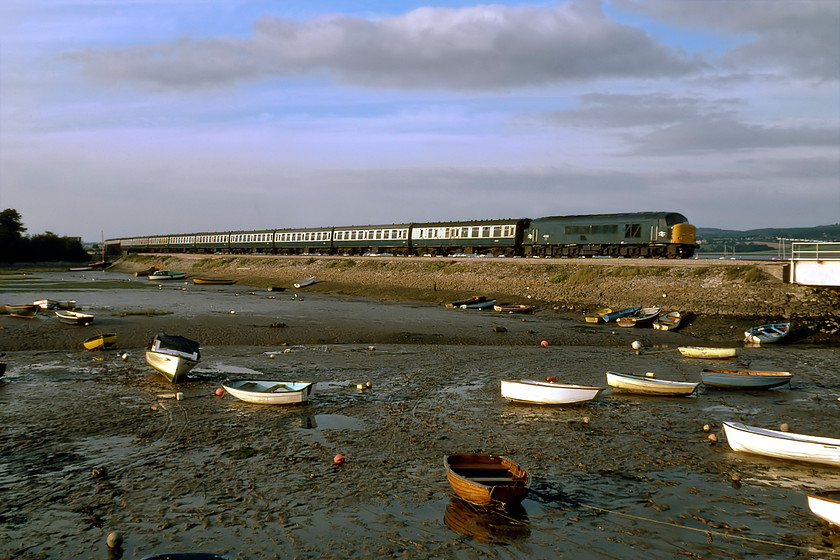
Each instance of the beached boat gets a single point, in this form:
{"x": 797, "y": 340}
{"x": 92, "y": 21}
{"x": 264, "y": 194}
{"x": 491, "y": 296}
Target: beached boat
{"x": 305, "y": 282}
{"x": 100, "y": 342}
{"x": 544, "y": 392}
{"x": 187, "y": 556}
{"x": 613, "y": 315}
{"x": 219, "y": 281}
{"x": 782, "y": 445}
{"x": 825, "y": 505}
{"x": 668, "y": 321}
{"x": 457, "y": 304}
{"x": 648, "y": 385}
{"x": 641, "y": 318}
{"x": 172, "y": 355}
{"x": 66, "y": 304}
{"x": 744, "y": 378}
{"x": 707, "y": 352}
{"x": 487, "y": 480}
{"x": 27, "y": 311}
{"x": 271, "y": 392}
{"x": 487, "y": 304}
{"x": 512, "y": 308}
{"x": 46, "y": 304}
{"x": 167, "y": 275}
{"x": 598, "y": 316}
{"x": 74, "y": 317}
{"x": 147, "y": 272}
{"x": 767, "y": 334}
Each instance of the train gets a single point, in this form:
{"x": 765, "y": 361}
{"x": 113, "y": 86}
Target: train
{"x": 632, "y": 235}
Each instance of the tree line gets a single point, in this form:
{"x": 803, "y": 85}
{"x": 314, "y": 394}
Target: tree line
{"x": 16, "y": 247}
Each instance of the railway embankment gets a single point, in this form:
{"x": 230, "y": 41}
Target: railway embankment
{"x": 714, "y": 294}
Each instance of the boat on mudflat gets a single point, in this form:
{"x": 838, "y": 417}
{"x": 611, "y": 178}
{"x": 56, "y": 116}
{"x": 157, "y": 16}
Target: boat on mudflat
{"x": 457, "y": 304}
{"x": 545, "y": 392}
{"x": 598, "y": 316}
{"x": 767, "y": 334}
{"x": 825, "y": 505}
{"x": 512, "y": 308}
{"x": 641, "y": 318}
{"x": 782, "y": 445}
{"x": 100, "y": 342}
{"x": 707, "y": 352}
{"x": 172, "y": 355}
{"x": 46, "y": 304}
{"x": 668, "y": 321}
{"x": 167, "y": 275}
{"x": 305, "y": 282}
{"x": 271, "y": 392}
{"x": 486, "y": 480}
{"x": 487, "y": 304}
{"x": 613, "y": 315}
{"x": 648, "y": 385}
{"x": 27, "y": 311}
{"x": 217, "y": 281}
{"x": 744, "y": 378}
{"x": 74, "y": 317}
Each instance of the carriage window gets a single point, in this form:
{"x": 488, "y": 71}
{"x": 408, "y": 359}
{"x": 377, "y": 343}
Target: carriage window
{"x": 475, "y": 231}
{"x": 497, "y": 231}
{"x": 632, "y": 230}
{"x": 485, "y": 231}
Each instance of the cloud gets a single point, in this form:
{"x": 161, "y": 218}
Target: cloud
{"x": 475, "y": 48}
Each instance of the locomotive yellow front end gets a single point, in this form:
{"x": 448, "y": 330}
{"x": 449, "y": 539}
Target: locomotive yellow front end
{"x": 684, "y": 234}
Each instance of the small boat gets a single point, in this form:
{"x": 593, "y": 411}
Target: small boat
{"x": 80, "y": 268}
{"x": 544, "y": 392}
{"x": 707, "y": 352}
{"x": 648, "y": 385}
{"x": 598, "y": 316}
{"x": 825, "y": 505}
{"x": 305, "y": 282}
{"x": 67, "y": 304}
{"x": 641, "y": 318}
{"x": 487, "y": 304}
{"x": 744, "y": 379}
{"x": 172, "y": 355}
{"x": 613, "y": 315}
{"x": 100, "y": 342}
{"x": 167, "y": 275}
{"x": 668, "y": 321}
{"x": 46, "y": 304}
{"x": 187, "y": 556}
{"x": 782, "y": 445}
{"x": 147, "y": 272}
{"x": 487, "y": 480}
{"x": 767, "y": 334}
{"x": 486, "y": 524}
{"x": 512, "y": 308}
{"x": 271, "y": 392}
{"x": 459, "y": 303}
{"x": 218, "y": 281}
{"x": 27, "y": 311}
{"x": 74, "y": 317}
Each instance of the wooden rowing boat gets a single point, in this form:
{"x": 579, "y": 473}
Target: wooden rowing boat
{"x": 218, "y": 281}
{"x": 641, "y": 318}
{"x": 668, "y": 321}
{"x": 543, "y": 392}
{"x": 271, "y": 392}
{"x": 782, "y": 445}
{"x": 512, "y": 308}
{"x": 167, "y": 275}
{"x": 74, "y": 317}
{"x": 172, "y": 355}
{"x": 457, "y": 304}
{"x": 767, "y": 334}
{"x": 598, "y": 316}
{"x": 27, "y": 311}
{"x": 100, "y": 342}
{"x": 46, "y": 304}
{"x": 479, "y": 305}
{"x": 486, "y": 480}
{"x": 825, "y": 505}
{"x": 744, "y": 378}
{"x": 648, "y": 385}
{"x": 707, "y": 352}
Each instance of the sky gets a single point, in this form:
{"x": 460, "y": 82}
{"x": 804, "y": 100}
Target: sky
{"x": 124, "y": 118}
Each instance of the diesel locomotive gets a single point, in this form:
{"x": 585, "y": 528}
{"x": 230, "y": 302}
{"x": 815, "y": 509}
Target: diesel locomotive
{"x": 632, "y": 235}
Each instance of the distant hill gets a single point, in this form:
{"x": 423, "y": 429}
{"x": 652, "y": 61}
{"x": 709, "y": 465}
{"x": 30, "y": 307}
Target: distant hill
{"x": 817, "y": 233}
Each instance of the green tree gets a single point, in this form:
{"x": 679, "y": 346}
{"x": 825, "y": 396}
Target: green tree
{"x": 12, "y": 241}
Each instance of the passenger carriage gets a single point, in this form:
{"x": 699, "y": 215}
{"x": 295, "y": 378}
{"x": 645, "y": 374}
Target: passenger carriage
{"x": 377, "y": 240}
{"x": 303, "y": 241}
{"x": 210, "y": 242}
{"x": 259, "y": 241}
{"x": 496, "y": 237}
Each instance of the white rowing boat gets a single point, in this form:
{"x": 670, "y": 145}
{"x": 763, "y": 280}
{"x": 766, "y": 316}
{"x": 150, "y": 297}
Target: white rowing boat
{"x": 648, "y": 385}
{"x": 707, "y": 352}
{"x": 271, "y": 392}
{"x": 782, "y": 445}
{"x": 543, "y": 392}
{"x": 825, "y": 505}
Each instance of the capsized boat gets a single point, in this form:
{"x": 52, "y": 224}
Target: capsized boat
{"x": 74, "y": 317}
{"x": 26, "y": 311}
{"x": 707, "y": 352}
{"x": 271, "y": 392}
{"x": 767, "y": 334}
{"x": 100, "y": 342}
{"x": 486, "y": 480}
{"x": 744, "y": 378}
{"x": 668, "y": 321}
{"x": 825, "y": 505}
{"x": 544, "y": 392}
{"x": 782, "y": 445}
{"x": 172, "y": 355}
{"x": 648, "y": 384}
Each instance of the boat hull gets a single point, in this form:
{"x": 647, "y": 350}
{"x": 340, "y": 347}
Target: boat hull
{"x": 487, "y": 480}
{"x": 620, "y": 313}
{"x": 704, "y": 352}
{"x": 174, "y": 368}
{"x": 271, "y": 392}
{"x": 668, "y": 321}
{"x": 74, "y": 318}
{"x": 767, "y": 334}
{"x": 744, "y": 379}
{"x": 100, "y": 342}
{"x": 167, "y": 275}
{"x": 540, "y": 392}
{"x": 826, "y": 507}
{"x": 625, "y": 383}
{"x": 782, "y": 445}
{"x": 23, "y": 311}
{"x": 211, "y": 281}
{"x": 511, "y": 308}
{"x": 306, "y": 282}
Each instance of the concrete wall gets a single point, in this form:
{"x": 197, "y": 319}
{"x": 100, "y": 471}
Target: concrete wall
{"x": 815, "y": 273}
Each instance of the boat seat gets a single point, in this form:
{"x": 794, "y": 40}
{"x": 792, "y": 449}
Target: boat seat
{"x": 493, "y": 479}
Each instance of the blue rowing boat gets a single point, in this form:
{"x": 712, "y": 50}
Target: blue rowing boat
{"x": 620, "y": 313}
